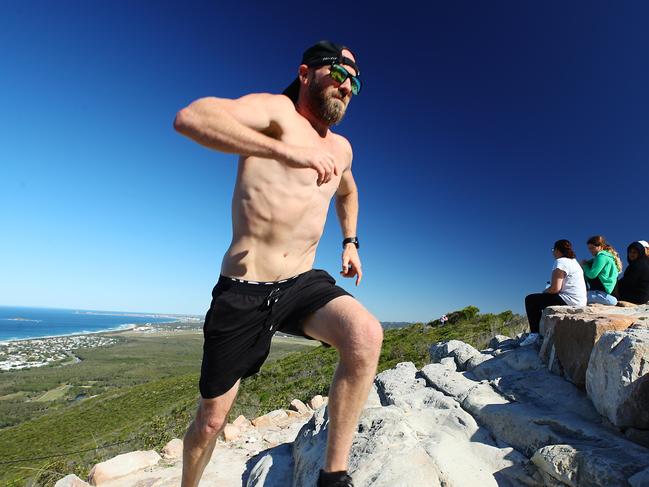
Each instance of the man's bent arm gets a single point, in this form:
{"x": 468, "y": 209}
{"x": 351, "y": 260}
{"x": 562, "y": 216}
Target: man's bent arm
{"x": 242, "y": 127}
{"x": 234, "y": 126}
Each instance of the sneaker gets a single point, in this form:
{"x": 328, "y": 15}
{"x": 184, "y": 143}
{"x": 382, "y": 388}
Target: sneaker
{"x": 334, "y": 479}
{"x": 530, "y": 340}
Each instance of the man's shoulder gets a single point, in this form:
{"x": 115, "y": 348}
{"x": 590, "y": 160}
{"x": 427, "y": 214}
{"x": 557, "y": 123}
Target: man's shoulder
{"x": 343, "y": 143}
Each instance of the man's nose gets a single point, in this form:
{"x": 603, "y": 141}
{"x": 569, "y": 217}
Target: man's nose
{"x": 346, "y": 86}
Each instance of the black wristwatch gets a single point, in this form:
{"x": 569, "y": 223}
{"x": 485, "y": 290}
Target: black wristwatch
{"x": 353, "y": 240}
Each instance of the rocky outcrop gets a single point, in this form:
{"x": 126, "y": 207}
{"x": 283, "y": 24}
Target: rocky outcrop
{"x": 617, "y": 379}
{"x": 507, "y": 422}
{"x": 497, "y": 417}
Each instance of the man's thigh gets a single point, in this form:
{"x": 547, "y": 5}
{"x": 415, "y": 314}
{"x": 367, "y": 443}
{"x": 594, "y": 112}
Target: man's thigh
{"x": 341, "y": 322}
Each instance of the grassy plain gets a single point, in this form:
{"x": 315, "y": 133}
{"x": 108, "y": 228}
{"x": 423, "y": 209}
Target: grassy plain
{"x": 126, "y": 393}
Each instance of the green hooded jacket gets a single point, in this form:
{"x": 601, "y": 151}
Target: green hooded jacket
{"x": 602, "y": 267}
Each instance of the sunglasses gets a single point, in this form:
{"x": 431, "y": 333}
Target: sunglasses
{"x": 340, "y": 75}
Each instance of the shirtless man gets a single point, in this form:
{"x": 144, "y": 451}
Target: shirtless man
{"x": 290, "y": 167}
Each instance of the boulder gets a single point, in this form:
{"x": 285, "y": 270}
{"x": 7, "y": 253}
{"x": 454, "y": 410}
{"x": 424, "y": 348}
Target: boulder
{"x": 299, "y": 406}
{"x": 451, "y": 383}
{"x": 558, "y": 461}
{"x": 241, "y": 422}
{"x": 569, "y": 338}
{"x": 449, "y": 363}
{"x": 173, "y": 449}
{"x": 71, "y": 481}
{"x": 394, "y": 384}
{"x": 514, "y": 361}
{"x": 316, "y": 402}
{"x": 617, "y": 379}
{"x": 273, "y": 467}
{"x": 502, "y": 342}
{"x": 428, "y": 439}
{"x": 122, "y": 465}
{"x": 270, "y": 419}
{"x": 231, "y": 432}
{"x": 461, "y": 352}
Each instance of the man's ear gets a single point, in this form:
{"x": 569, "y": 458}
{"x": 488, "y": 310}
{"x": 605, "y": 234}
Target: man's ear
{"x": 303, "y": 73}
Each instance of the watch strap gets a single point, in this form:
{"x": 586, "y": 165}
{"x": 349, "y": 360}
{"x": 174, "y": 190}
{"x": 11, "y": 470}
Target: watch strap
{"x": 353, "y": 240}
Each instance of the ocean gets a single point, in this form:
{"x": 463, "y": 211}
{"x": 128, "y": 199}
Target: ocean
{"x": 18, "y": 323}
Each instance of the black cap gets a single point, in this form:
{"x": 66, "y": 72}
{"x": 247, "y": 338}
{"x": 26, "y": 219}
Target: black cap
{"x": 323, "y": 53}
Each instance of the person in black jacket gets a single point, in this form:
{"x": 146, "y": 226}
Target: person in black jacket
{"x": 634, "y": 284}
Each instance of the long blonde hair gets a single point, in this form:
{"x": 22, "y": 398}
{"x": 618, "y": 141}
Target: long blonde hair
{"x": 600, "y": 241}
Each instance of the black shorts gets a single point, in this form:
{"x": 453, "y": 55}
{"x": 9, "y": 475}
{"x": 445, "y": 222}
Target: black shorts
{"x": 243, "y": 317}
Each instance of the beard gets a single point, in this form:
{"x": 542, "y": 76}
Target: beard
{"x": 325, "y": 105}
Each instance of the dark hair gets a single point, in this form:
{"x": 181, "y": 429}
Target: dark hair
{"x": 642, "y": 251}
{"x": 565, "y": 247}
{"x": 600, "y": 241}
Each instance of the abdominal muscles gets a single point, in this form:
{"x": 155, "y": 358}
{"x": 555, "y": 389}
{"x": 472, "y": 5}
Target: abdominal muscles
{"x": 278, "y": 216}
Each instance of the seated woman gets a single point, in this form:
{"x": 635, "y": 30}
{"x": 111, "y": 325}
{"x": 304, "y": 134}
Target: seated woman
{"x": 634, "y": 284}
{"x": 567, "y": 287}
{"x": 601, "y": 272}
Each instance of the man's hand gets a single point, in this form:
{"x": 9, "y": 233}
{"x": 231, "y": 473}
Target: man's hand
{"x": 308, "y": 157}
{"x": 352, "y": 263}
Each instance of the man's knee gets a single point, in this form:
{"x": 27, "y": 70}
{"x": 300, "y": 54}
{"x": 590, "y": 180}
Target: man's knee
{"x": 364, "y": 346}
{"x": 209, "y": 422}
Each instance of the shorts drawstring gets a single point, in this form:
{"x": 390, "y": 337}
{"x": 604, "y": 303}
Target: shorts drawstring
{"x": 269, "y": 303}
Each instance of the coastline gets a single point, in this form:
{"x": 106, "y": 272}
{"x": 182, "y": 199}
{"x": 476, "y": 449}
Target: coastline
{"x": 117, "y": 329}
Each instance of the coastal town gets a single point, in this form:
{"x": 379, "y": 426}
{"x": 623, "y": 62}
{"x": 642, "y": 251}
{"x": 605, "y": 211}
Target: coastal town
{"x": 23, "y": 354}
{"x": 39, "y": 352}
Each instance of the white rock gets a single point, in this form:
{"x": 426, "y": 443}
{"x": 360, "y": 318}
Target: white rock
{"x": 316, "y": 402}
{"x": 460, "y": 351}
{"x": 299, "y": 406}
{"x": 122, "y": 465}
{"x": 559, "y": 461}
{"x": 449, "y": 363}
{"x": 617, "y": 378}
{"x": 270, "y": 419}
{"x": 173, "y": 449}
{"x": 71, "y": 481}
{"x": 241, "y": 422}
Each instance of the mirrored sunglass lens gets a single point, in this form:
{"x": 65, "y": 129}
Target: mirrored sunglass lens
{"x": 356, "y": 85}
{"x": 338, "y": 74}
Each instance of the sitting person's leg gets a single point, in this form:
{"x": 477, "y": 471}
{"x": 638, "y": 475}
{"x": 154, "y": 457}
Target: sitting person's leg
{"x": 534, "y": 306}
{"x": 536, "y": 303}
{"x": 601, "y": 297}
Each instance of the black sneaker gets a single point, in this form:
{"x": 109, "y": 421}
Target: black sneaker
{"x": 334, "y": 479}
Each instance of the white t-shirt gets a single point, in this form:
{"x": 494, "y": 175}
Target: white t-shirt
{"x": 573, "y": 291}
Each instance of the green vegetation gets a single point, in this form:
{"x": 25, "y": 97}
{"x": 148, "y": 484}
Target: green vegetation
{"x": 146, "y": 393}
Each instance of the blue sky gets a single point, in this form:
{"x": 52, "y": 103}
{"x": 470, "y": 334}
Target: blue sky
{"x": 485, "y": 131}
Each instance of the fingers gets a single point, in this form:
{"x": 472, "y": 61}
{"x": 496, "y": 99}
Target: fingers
{"x": 346, "y": 266}
{"x": 326, "y": 168}
{"x": 351, "y": 269}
